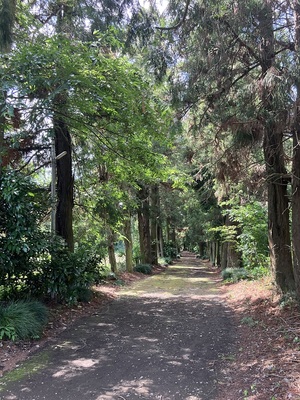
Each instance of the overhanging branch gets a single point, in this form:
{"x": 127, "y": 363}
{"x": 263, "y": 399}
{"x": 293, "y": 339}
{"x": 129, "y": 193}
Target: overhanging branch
{"x": 169, "y": 28}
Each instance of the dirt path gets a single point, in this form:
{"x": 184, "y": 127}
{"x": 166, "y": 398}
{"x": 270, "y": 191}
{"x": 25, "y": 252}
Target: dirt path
{"x": 164, "y": 338}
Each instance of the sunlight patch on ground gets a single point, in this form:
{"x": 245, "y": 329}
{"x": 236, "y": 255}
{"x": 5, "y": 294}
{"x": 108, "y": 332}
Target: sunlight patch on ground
{"x": 146, "y": 339}
{"x": 74, "y": 367}
{"x": 138, "y": 387}
{"x": 67, "y": 345}
{"x": 176, "y": 281}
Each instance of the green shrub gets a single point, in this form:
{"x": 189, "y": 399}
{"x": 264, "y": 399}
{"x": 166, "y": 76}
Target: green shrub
{"x": 102, "y": 272}
{"x": 7, "y": 332}
{"x": 170, "y": 250}
{"x": 22, "y": 320}
{"x": 169, "y": 260}
{"x": 143, "y": 268}
{"x": 249, "y": 232}
{"x": 38, "y": 309}
{"x": 259, "y": 271}
{"x": 23, "y": 207}
{"x": 235, "y": 274}
{"x": 63, "y": 276}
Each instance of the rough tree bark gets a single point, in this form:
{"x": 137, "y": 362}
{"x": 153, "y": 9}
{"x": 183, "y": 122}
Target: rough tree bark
{"x": 7, "y": 18}
{"x": 278, "y": 210}
{"x": 202, "y": 247}
{"x": 65, "y": 181}
{"x": 154, "y": 213}
{"x": 144, "y": 224}
{"x": 2, "y": 148}
{"x": 63, "y": 143}
{"x": 296, "y": 161}
{"x": 128, "y": 244}
{"x": 111, "y": 250}
{"x": 160, "y": 240}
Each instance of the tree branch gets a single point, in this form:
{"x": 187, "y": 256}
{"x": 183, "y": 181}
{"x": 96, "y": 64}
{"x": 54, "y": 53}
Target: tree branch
{"x": 169, "y": 28}
{"x": 240, "y": 41}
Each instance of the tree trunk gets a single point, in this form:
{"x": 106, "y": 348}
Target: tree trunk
{"x": 160, "y": 241}
{"x": 230, "y": 251}
{"x": 224, "y": 255}
{"x": 233, "y": 256}
{"x": 278, "y": 211}
{"x": 128, "y": 245}
{"x": 173, "y": 236}
{"x": 201, "y": 249}
{"x": 213, "y": 252}
{"x": 296, "y": 162}
{"x": 65, "y": 181}
{"x": 7, "y": 17}
{"x": 63, "y": 143}
{"x": 218, "y": 255}
{"x": 111, "y": 251}
{"x": 215, "y": 256}
{"x": 154, "y": 214}
{"x": 144, "y": 225}
{"x": 2, "y": 148}
{"x": 168, "y": 229}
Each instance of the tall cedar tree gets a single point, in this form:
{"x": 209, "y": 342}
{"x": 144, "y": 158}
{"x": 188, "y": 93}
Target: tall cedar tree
{"x": 230, "y": 56}
{"x": 63, "y": 143}
{"x": 296, "y": 159}
{"x": 7, "y": 19}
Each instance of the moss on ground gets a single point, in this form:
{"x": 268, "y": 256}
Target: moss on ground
{"x": 28, "y": 368}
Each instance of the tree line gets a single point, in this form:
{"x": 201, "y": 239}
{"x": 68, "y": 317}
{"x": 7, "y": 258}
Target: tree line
{"x": 236, "y": 86}
{"x": 73, "y": 99}
{"x": 167, "y": 131}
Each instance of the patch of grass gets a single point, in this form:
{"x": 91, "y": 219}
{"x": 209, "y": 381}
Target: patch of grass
{"x": 38, "y": 309}
{"x": 22, "y": 320}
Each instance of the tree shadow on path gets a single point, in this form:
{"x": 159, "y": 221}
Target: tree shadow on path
{"x": 163, "y": 338}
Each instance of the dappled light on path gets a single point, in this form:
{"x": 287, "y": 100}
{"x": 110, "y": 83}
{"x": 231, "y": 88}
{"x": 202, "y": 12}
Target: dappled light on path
{"x": 178, "y": 280}
{"x": 161, "y": 339}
